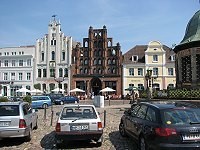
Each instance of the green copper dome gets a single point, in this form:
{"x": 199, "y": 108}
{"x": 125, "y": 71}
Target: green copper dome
{"x": 192, "y": 32}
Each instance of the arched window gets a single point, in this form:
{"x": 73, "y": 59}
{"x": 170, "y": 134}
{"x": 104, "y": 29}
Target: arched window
{"x": 66, "y": 72}
{"x": 95, "y": 52}
{"x": 113, "y": 52}
{"x": 81, "y": 71}
{"x": 109, "y": 44}
{"x": 85, "y": 62}
{"x": 113, "y": 62}
{"x": 109, "y": 62}
{"x": 100, "y": 71}
{"x": 109, "y": 70}
{"x": 114, "y": 70}
{"x": 95, "y": 62}
{"x": 85, "y": 71}
{"x": 86, "y": 43}
{"x": 60, "y": 72}
{"x": 81, "y": 61}
{"x": 99, "y": 61}
{"x": 94, "y": 71}
{"x": 52, "y": 55}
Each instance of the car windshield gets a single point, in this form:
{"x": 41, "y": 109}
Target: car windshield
{"x": 181, "y": 116}
{"x": 80, "y": 112}
{"x": 9, "y": 110}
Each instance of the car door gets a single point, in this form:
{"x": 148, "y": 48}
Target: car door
{"x": 130, "y": 117}
{"x": 27, "y": 115}
{"x": 137, "y": 121}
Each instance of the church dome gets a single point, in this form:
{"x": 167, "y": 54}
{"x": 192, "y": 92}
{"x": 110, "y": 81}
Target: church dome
{"x": 192, "y": 32}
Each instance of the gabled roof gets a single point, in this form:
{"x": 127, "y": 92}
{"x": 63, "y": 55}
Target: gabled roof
{"x": 139, "y": 50}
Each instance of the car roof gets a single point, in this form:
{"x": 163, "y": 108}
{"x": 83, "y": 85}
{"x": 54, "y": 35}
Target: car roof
{"x": 81, "y": 105}
{"x": 12, "y": 103}
{"x": 169, "y": 104}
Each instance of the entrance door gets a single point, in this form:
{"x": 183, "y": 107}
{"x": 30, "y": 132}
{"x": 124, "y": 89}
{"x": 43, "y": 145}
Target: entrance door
{"x": 96, "y": 86}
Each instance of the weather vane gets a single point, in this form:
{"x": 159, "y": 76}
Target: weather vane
{"x": 54, "y": 16}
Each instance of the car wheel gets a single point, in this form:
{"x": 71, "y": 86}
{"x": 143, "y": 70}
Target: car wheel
{"x": 122, "y": 129}
{"x": 36, "y": 125}
{"x": 142, "y": 144}
{"x": 100, "y": 141}
{"x": 61, "y": 103}
{"x": 44, "y": 106}
{"x": 28, "y": 138}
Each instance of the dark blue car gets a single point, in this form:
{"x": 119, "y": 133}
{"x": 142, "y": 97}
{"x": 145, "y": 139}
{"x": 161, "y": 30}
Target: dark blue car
{"x": 66, "y": 99}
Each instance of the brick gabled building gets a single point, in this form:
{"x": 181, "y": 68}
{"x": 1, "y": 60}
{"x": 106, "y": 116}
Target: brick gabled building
{"x": 97, "y": 64}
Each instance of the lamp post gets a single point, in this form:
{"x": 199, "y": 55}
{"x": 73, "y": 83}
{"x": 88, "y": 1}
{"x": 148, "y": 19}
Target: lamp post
{"x": 59, "y": 80}
{"x": 148, "y": 79}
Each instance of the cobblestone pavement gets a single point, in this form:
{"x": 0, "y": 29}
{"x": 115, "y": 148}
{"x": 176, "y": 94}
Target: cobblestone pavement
{"x": 43, "y": 137}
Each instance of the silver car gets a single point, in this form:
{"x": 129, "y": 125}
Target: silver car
{"x": 78, "y": 122}
{"x": 17, "y": 119}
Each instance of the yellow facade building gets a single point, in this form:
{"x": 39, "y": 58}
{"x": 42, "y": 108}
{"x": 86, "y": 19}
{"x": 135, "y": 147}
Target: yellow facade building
{"x": 142, "y": 59}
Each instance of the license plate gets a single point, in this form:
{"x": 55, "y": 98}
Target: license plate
{"x": 79, "y": 127}
{"x": 191, "y": 137}
{"x": 4, "y": 123}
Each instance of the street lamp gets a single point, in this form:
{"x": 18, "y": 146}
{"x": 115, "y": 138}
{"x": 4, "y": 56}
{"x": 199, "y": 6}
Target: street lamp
{"x": 148, "y": 79}
{"x": 59, "y": 81}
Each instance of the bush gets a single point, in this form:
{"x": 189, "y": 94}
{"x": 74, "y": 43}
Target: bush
{"x": 27, "y": 99}
{"x": 3, "y": 99}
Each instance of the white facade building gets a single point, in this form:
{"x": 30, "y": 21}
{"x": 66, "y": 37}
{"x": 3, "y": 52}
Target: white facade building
{"x": 16, "y": 69}
{"x": 53, "y": 59}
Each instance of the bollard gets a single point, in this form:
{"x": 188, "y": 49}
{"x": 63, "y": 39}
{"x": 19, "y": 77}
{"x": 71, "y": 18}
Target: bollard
{"x": 51, "y": 117}
{"x": 104, "y": 118}
{"x": 45, "y": 112}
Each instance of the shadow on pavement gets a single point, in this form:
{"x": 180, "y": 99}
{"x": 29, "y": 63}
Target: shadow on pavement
{"x": 8, "y": 142}
{"x": 48, "y": 142}
{"x": 120, "y": 142}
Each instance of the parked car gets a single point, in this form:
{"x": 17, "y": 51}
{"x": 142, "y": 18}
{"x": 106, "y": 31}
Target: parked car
{"x": 17, "y": 119}
{"x": 78, "y": 122}
{"x": 55, "y": 96}
{"x": 66, "y": 99}
{"x": 162, "y": 125}
{"x": 40, "y": 101}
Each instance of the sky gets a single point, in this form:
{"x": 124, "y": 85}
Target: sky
{"x": 129, "y": 22}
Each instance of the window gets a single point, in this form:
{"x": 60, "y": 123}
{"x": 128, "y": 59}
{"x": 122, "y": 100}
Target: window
{"x": 20, "y": 76}
{"x": 155, "y": 58}
{"x": 170, "y": 71}
{"x": 0, "y": 63}
{"x": 29, "y": 62}
{"x": 28, "y": 76}
{"x": 63, "y": 55}
{"x": 6, "y": 63}
{"x": 66, "y": 72}
{"x": 172, "y": 57}
{"x": 39, "y": 73}
{"x": 52, "y": 72}
{"x": 142, "y": 112}
{"x": 140, "y": 87}
{"x": 140, "y": 72}
{"x": 151, "y": 115}
{"x": 44, "y": 73}
{"x": 42, "y": 56}
{"x": 134, "y": 58}
{"x": 12, "y": 76}
{"x": 52, "y": 55}
{"x": 13, "y": 63}
{"x": 99, "y": 62}
{"x": 131, "y": 85}
{"x": 20, "y": 62}
{"x": 109, "y": 62}
{"x": 95, "y": 62}
{"x": 155, "y": 71}
{"x": 131, "y": 71}
{"x": 60, "y": 72}
{"x": 134, "y": 110}
{"x": 5, "y": 76}
{"x": 85, "y": 62}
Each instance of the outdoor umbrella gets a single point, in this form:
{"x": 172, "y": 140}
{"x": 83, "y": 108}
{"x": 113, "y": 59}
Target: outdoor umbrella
{"x": 107, "y": 89}
{"x": 36, "y": 91}
{"x": 23, "y": 90}
{"x": 77, "y": 90}
{"x": 58, "y": 90}
{"x": 131, "y": 88}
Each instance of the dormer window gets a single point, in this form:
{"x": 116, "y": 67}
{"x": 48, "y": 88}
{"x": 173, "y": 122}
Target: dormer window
{"x": 134, "y": 58}
{"x": 172, "y": 57}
